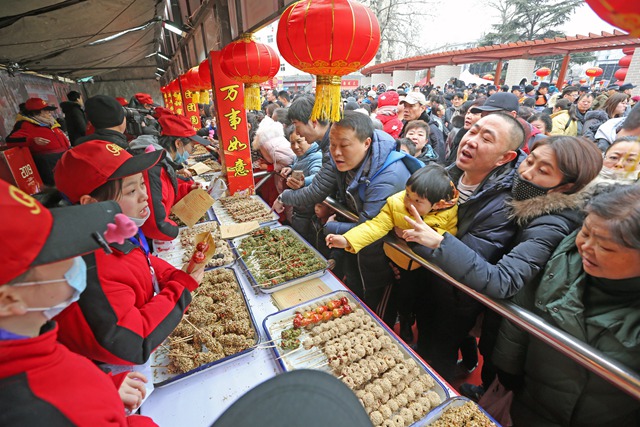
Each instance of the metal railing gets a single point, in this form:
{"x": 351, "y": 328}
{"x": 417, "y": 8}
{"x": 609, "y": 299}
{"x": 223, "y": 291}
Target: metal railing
{"x": 264, "y": 175}
{"x": 594, "y": 360}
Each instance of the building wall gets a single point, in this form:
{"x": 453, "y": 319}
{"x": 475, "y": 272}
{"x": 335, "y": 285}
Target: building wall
{"x": 443, "y": 73}
{"x": 519, "y": 69}
{"x": 633, "y": 75}
{"x": 401, "y": 76}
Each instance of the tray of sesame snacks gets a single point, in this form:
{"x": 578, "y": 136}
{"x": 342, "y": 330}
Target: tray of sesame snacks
{"x": 178, "y": 251}
{"x": 460, "y": 412}
{"x": 277, "y": 257}
{"x": 216, "y": 328}
{"x": 237, "y": 209}
{"x": 337, "y": 333}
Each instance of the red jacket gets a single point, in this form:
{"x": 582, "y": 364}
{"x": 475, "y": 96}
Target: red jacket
{"x": 43, "y": 383}
{"x": 164, "y": 190}
{"x": 26, "y": 129}
{"x": 118, "y": 319}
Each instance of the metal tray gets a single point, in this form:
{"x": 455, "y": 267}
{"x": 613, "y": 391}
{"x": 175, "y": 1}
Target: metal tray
{"x": 173, "y": 251}
{"x": 160, "y": 359}
{"x": 225, "y": 219}
{"x": 273, "y": 325}
{"x": 453, "y": 402}
{"x": 235, "y": 243}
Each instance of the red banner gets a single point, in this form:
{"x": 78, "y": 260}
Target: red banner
{"x": 191, "y": 107}
{"x": 232, "y": 129}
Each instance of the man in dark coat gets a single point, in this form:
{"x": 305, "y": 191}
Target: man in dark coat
{"x": 485, "y": 165}
{"x": 74, "y": 116}
{"x": 108, "y": 118}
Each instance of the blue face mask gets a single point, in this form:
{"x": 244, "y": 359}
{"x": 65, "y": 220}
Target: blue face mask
{"x": 181, "y": 158}
{"x": 76, "y": 277}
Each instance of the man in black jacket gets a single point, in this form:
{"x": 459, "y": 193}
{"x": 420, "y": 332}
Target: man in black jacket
{"x": 108, "y": 118}
{"x": 74, "y": 117}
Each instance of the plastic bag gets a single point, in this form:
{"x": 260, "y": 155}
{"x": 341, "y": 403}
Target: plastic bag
{"x": 217, "y": 188}
{"x": 497, "y": 402}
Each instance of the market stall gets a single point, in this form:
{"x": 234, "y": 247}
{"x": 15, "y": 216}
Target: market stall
{"x": 401, "y": 390}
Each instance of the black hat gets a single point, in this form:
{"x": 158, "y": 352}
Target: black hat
{"x": 626, "y": 86}
{"x": 613, "y": 87}
{"x": 499, "y": 101}
{"x": 585, "y": 88}
{"x": 528, "y": 88}
{"x": 301, "y": 397}
{"x": 104, "y": 111}
{"x": 491, "y": 87}
{"x": 543, "y": 85}
{"x": 516, "y": 88}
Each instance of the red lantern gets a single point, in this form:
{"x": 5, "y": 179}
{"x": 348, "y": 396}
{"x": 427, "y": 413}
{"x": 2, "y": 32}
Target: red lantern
{"x": 534, "y": 83}
{"x": 594, "y": 71}
{"x": 625, "y": 61}
{"x": 543, "y": 72}
{"x": 328, "y": 38}
{"x": 193, "y": 79}
{"x": 251, "y": 63}
{"x": 488, "y": 77}
{"x": 621, "y": 74}
{"x": 628, "y": 50}
{"x": 205, "y": 74}
{"x": 583, "y": 81}
{"x": 623, "y": 14}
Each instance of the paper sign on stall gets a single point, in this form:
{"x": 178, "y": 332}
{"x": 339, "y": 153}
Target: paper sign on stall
{"x": 200, "y": 168}
{"x": 229, "y": 231}
{"x": 300, "y": 293}
{"x": 193, "y": 206}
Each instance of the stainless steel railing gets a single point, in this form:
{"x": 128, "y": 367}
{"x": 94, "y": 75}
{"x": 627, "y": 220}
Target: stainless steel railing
{"x": 611, "y": 370}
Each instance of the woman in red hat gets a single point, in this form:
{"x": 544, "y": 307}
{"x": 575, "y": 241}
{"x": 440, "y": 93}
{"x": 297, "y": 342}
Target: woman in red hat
{"x": 133, "y": 300}
{"x": 38, "y": 130}
{"x": 165, "y": 185}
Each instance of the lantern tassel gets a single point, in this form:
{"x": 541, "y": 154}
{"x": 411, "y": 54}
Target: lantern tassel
{"x": 327, "y": 105}
{"x": 252, "y": 96}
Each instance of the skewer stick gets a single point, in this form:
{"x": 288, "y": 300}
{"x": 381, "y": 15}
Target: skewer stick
{"x": 316, "y": 366}
{"x": 290, "y": 353}
{"x": 194, "y": 326}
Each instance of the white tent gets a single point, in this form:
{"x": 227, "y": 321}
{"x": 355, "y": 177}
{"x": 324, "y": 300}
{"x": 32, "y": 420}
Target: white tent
{"x": 469, "y": 78}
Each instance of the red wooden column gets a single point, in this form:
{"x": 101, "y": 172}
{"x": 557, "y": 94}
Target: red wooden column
{"x": 496, "y": 78}
{"x": 563, "y": 71}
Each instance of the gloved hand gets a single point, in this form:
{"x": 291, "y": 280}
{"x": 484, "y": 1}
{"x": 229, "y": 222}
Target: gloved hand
{"x": 122, "y": 229}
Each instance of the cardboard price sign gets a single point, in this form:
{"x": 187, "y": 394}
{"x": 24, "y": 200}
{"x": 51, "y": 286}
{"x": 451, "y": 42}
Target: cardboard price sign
{"x": 193, "y": 206}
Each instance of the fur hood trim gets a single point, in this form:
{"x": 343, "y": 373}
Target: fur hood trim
{"x": 524, "y": 211}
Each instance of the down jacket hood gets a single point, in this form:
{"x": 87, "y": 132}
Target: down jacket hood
{"x": 524, "y": 211}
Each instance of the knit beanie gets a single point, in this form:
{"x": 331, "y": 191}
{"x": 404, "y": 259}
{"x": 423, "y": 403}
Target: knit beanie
{"x": 104, "y": 111}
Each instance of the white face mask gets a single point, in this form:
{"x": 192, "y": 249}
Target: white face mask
{"x": 618, "y": 174}
{"x": 140, "y": 221}
{"x": 76, "y": 277}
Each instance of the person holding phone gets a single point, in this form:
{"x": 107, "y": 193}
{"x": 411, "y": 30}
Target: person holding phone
{"x": 308, "y": 161}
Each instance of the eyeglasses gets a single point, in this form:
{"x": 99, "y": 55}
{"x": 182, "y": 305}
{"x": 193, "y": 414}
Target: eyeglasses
{"x": 626, "y": 160}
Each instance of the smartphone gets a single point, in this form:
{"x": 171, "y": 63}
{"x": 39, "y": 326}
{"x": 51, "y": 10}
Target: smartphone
{"x": 298, "y": 175}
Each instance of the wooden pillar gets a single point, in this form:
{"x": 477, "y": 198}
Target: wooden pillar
{"x": 428, "y": 76}
{"x": 496, "y": 78}
{"x": 563, "y": 71}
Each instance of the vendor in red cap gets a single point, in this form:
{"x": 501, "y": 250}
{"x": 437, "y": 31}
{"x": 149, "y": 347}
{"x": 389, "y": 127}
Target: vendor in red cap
{"x": 39, "y": 131}
{"x": 133, "y": 300}
{"x": 41, "y": 381}
{"x": 165, "y": 186}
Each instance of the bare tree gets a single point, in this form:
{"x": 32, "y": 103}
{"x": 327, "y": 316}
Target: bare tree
{"x": 401, "y": 24}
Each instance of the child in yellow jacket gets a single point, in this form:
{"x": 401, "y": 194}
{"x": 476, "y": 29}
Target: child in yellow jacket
{"x": 435, "y": 197}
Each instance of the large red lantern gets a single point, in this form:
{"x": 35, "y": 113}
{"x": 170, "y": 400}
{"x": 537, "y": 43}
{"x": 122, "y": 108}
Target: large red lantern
{"x": 205, "y": 74}
{"x": 543, "y": 72}
{"x": 625, "y": 61}
{"x": 250, "y": 63}
{"x": 594, "y": 72}
{"x": 329, "y": 39}
{"x": 621, "y": 74}
{"x": 488, "y": 77}
{"x": 624, "y": 14}
{"x": 583, "y": 81}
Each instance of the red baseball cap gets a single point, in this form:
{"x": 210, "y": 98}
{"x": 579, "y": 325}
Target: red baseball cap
{"x": 144, "y": 98}
{"x": 32, "y": 235}
{"x": 38, "y": 104}
{"x": 122, "y": 101}
{"x": 388, "y": 98}
{"x": 93, "y": 163}
{"x": 180, "y": 126}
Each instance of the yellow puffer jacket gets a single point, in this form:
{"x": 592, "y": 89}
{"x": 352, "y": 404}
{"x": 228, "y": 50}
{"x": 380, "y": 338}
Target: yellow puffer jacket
{"x": 560, "y": 127}
{"x": 392, "y": 215}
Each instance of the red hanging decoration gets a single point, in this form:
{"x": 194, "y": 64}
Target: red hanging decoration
{"x": 543, "y": 72}
{"x": 621, "y": 74}
{"x": 488, "y": 77}
{"x": 623, "y": 14}
{"x": 594, "y": 72}
{"x": 329, "y": 39}
{"x": 250, "y": 63}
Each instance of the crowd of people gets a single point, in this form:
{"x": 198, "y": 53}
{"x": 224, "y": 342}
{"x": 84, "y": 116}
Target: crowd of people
{"x": 517, "y": 193}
